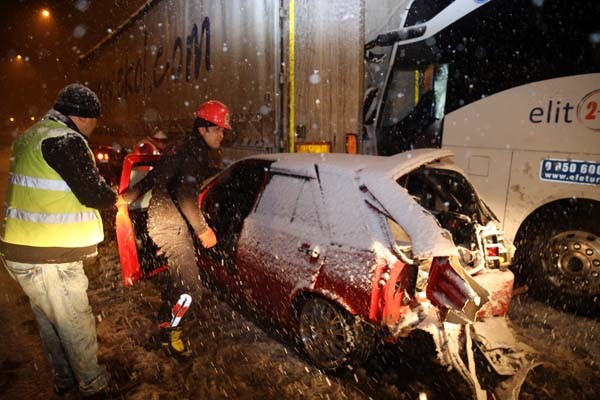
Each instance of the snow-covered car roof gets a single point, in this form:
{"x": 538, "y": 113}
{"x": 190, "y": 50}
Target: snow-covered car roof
{"x": 341, "y": 177}
{"x": 393, "y": 166}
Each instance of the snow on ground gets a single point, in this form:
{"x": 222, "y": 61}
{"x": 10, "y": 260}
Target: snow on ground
{"x": 236, "y": 357}
{"x": 233, "y": 358}
{"x": 568, "y": 344}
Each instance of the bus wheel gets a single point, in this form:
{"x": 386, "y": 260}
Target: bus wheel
{"x": 563, "y": 245}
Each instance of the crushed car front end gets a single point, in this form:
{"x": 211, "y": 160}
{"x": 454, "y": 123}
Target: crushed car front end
{"x": 443, "y": 271}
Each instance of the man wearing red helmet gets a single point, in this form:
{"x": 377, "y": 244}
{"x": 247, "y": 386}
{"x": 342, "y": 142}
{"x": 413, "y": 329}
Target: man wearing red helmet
{"x": 175, "y": 184}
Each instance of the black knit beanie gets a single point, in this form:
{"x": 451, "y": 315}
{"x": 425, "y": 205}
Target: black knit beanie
{"x": 77, "y": 100}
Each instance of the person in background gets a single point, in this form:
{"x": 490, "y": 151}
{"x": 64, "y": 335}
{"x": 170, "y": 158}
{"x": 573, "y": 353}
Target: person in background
{"x": 51, "y": 225}
{"x": 175, "y": 183}
{"x": 154, "y": 144}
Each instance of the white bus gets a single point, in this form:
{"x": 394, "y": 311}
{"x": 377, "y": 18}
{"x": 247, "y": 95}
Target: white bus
{"x": 513, "y": 88}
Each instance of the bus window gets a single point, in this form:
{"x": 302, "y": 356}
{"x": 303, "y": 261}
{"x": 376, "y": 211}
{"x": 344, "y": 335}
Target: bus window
{"x": 413, "y": 106}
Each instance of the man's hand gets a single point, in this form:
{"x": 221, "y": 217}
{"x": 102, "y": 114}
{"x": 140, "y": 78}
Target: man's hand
{"x": 121, "y": 202}
{"x": 208, "y": 238}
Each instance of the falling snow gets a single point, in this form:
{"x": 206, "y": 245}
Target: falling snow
{"x": 238, "y": 356}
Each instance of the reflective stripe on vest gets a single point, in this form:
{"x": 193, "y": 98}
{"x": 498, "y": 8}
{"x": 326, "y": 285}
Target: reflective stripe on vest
{"x": 41, "y": 210}
{"x": 39, "y": 183}
{"x": 45, "y": 218}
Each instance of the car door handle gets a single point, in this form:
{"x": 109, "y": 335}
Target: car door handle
{"x": 305, "y": 248}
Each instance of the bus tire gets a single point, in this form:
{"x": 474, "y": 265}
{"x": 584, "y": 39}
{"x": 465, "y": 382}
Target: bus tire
{"x": 560, "y": 254}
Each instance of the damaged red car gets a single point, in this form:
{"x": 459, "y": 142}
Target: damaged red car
{"x": 349, "y": 250}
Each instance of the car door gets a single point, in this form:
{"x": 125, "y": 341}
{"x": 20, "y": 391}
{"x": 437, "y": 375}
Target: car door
{"x": 137, "y": 253}
{"x": 225, "y": 203}
{"x": 283, "y": 243}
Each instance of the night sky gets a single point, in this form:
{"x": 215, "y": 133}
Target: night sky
{"x": 49, "y": 49}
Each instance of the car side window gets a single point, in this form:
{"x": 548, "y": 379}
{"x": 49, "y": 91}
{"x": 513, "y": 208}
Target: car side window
{"x": 293, "y": 199}
{"x": 138, "y": 172}
{"x": 307, "y": 210}
{"x": 230, "y": 201}
{"x": 398, "y": 233}
{"x": 394, "y": 232}
{"x": 280, "y": 197}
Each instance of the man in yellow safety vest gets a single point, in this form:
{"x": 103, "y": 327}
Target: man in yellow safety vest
{"x": 51, "y": 224}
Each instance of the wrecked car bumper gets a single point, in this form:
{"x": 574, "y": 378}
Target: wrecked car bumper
{"x": 491, "y": 343}
{"x": 465, "y": 317}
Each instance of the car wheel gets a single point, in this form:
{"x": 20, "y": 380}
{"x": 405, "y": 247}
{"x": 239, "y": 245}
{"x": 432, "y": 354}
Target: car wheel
{"x": 564, "y": 255}
{"x": 331, "y": 337}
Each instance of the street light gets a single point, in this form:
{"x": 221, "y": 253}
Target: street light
{"x": 45, "y": 13}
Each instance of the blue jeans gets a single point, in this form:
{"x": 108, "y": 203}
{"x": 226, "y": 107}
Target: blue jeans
{"x": 58, "y": 297}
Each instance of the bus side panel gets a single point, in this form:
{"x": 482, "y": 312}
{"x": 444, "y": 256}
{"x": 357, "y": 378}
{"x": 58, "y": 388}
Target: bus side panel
{"x": 489, "y": 171}
{"x": 552, "y": 124}
{"x": 537, "y": 178}
{"x": 561, "y": 114}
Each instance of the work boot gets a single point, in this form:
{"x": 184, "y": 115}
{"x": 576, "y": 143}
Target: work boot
{"x": 174, "y": 344}
{"x": 67, "y": 392}
{"x": 114, "y": 390}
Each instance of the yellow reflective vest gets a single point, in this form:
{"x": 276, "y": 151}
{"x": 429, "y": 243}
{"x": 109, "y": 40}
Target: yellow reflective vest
{"x": 41, "y": 210}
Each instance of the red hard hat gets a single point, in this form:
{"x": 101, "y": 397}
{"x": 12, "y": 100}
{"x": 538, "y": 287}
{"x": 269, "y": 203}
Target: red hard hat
{"x": 216, "y": 112}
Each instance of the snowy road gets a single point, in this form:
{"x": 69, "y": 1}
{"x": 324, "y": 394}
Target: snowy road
{"x": 234, "y": 358}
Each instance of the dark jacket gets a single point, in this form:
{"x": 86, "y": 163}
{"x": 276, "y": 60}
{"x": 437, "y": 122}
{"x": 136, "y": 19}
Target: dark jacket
{"x": 69, "y": 156}
{"x": 178, "y": 177}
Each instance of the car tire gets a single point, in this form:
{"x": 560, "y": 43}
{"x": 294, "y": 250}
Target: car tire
{"x": 331, "y": 337}
{"x": 560, "y": 255}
